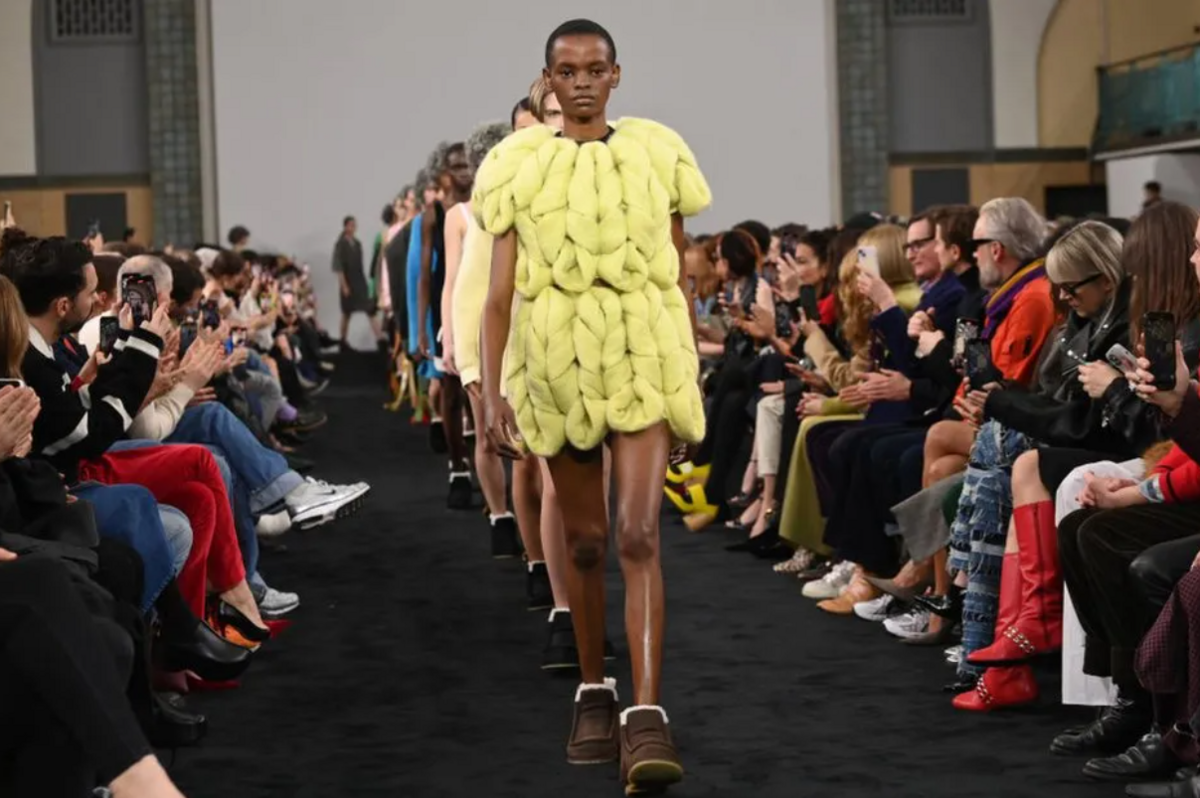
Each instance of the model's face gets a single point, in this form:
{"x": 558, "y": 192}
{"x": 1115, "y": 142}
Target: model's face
{"x": 582, "y": 75}
{"x": 525, "y": 119}
{"x": 459, "y": 171}
{"x": 920, "y": 250}
{"x": 553, "y": 111}
{"x": 431, "y": 195}
{"x": 351, "y": 228}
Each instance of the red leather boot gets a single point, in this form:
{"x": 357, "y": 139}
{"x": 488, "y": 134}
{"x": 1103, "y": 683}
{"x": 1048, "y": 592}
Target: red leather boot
{"x": 1000, "y": 688}
{"x": 1038, "y": 628}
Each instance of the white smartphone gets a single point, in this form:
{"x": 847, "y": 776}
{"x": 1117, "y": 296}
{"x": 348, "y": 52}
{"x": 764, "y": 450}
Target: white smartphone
{"x": 868, "y": 260}
{"x": 1121, "y": 359}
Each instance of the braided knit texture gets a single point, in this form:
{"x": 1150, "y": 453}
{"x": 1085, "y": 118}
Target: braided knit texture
{"x": 602, "y": 339}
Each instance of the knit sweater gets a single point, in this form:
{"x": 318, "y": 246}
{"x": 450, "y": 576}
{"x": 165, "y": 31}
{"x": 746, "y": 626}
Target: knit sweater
{"x": 470, "y": 293}
{"x": 602, "y": 340}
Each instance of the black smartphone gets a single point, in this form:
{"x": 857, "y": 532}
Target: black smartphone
{"x": 1158, "y": 331}
{"x": 785, "y": 315}
{"x": 978, "y": 359}
{"x": 210, "y": 313}
{"x": 237, "y": 336}
{"x": 139, "y": 293}
{"x": 12, "y": 382}
{"x": 110, "y": 331}
{"x": 965, "y": 331}
{"x": 187, "y": 336}
{"x": 808, "y": 303}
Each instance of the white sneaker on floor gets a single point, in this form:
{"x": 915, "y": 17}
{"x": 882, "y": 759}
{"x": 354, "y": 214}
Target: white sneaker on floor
{"x": 954, "y": 654}
{"x": 315, "y": 502}
{"x": 875, "y": 610}
{"x": 276, "y": 602}
{"x": 273, "y": 525}
{"x": 909, "y": 625}
{"x": 831, "y": 584}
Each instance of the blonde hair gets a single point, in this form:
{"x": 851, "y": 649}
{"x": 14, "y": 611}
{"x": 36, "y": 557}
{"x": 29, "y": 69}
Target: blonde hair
{"x": 538, "y": 91}
{"x": 1087, "y": 249}
{"x": 894, "y": 268}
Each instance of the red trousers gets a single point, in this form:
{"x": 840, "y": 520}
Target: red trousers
{"x": 187, "y": 478}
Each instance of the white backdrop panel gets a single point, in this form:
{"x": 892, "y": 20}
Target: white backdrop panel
{"x": 326, "y": 109}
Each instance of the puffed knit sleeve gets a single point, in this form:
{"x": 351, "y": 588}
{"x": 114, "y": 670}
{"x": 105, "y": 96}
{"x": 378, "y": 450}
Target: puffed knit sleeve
{"x": 675, "y": 165}
{"x": 508, "y": 179}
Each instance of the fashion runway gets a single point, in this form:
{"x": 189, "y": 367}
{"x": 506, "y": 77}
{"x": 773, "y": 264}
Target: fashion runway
{"x": 411, "y": 668}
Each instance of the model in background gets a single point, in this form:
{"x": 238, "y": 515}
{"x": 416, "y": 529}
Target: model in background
{"x": 352, "y": 281}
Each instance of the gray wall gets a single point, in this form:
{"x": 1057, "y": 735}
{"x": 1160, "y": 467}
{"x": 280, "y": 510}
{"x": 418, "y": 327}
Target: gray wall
{"x": 90, "y": 104}
{"x": 940, "y": 85}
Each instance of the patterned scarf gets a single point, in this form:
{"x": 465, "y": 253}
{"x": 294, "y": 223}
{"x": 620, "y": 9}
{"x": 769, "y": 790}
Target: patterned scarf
{"x": 1001, "y": 300}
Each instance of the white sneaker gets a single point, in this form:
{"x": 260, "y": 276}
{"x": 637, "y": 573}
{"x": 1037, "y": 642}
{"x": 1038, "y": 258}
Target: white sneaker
{"x": 315, "y": 502}
{"x": 276, "y": 602}
{"x": 875, "y": 610}
{"x": 273, "y": 525}
{"x": 910, "y": 625}
{"x": 954, "y": 654}
{"x": 831, "y": 584}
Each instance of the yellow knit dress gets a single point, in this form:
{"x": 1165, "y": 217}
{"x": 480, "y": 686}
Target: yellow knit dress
{"x": 602, "y": 339}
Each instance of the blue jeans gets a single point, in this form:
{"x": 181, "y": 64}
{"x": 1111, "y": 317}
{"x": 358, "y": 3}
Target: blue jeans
{"x": 264, "y": 473}
{"x": 176, "y": 525}
{"x": 129, "y": 514}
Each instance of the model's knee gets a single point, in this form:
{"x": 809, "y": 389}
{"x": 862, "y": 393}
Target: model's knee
{"x": 637, "y": 539}
{"x": 587, "y": 546}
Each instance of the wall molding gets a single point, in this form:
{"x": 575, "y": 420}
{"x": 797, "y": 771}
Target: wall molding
{"x": 28, "y": 182}
{"x": 1000, "y": 155}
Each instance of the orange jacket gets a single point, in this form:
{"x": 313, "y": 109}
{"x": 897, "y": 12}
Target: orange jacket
{"x": 1017, "y": 341}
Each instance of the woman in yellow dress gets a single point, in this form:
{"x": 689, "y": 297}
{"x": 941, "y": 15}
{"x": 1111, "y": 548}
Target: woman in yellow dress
{"x": 588, "y": 228}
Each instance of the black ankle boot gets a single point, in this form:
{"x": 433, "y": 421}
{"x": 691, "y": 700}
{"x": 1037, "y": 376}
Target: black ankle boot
{"x": 560, "y": 652}
{"x": 459, "y": 497}
{"x": 537, "y": 587}
{"x": 172, "y": 725}
{"x": 206, "y": 654}
{"x": 1115, "y": 728}
{"x": 506, "y": 543}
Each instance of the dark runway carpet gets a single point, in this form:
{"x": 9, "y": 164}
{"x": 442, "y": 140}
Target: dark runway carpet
{"x": 412, "y": 668}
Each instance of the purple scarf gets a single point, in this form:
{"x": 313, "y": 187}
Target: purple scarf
{"x": 1001, "y": 301}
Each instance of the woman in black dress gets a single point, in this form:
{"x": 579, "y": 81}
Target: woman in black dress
{"x": 352, "y": 280}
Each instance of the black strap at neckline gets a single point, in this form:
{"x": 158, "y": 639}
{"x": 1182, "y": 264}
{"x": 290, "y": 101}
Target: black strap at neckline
{"x": 603, "y": 140}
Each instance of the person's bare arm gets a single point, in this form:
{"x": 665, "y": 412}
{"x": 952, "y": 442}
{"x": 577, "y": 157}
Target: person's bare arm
{"x": 497, "y": 319}
{"x": 428, "y": 221}
{"x": 456, "y": 229}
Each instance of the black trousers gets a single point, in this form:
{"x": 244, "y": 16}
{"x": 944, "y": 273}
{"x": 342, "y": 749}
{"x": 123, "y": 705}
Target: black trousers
{"x": 728, "y": 421}
{"x": 67, "y": 724}
{"x": 1159, "y": 568}
{"x": 1097, "y": 549}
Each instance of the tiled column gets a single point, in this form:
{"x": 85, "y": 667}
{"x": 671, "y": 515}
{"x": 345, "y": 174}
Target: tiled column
{"x": 170, "y": 27}
{"x": 863, "y": 104}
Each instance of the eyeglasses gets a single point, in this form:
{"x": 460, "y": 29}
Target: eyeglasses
{"x": 976, "y": 243}
{"x": 913, "y": 246}
{"x": 1070, "y": 289}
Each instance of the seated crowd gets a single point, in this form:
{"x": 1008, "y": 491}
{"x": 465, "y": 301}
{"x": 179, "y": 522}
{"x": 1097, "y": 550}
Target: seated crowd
{"x": 945, "y": 425}
{"x": 152, "y": 406}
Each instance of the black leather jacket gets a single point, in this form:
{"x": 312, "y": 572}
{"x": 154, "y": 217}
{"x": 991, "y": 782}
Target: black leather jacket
{"x": 1118, "y": 423}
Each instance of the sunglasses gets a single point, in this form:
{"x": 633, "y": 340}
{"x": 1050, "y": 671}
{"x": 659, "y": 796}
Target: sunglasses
{"x": 976, "y": 243}
{"x": 913, "y": 246}
{"x": 1071, "y": 289}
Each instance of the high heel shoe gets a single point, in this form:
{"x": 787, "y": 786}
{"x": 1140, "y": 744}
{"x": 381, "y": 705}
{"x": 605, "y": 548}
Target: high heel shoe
{"x": 226, "y": 615}
{"x": 763, "y": 540}
{"x": 205, "y": 653}
{"x": 743, "y": 500}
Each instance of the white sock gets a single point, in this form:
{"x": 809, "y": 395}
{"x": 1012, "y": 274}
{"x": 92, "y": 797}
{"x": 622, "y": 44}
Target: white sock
{"x": 625, "y": 713}
{"x": 609, "y": 684}
{"x": 535, "y": 562}
{"x": 555, "y": 611}
{"x": 494, "y": 518}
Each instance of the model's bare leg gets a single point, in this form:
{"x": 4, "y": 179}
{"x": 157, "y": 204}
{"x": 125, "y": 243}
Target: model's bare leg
{"x": 637, "y": 459}
{"x": 580, "y": 490}
{"x": 491, "y": 479}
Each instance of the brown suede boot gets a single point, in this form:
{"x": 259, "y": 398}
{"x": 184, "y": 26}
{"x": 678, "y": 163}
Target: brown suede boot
{"x": 649, "y": 762}
{"x": 593, "y": 738}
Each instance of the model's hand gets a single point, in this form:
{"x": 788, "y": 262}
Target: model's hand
{"x": 500, "y": 424}
{"x": 423, "y": 345}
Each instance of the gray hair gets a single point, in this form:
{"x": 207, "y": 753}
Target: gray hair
{"x": 483, "y": 139}
{"x": 437, "y": 160}
{"x": 164, "y": 278}
{"x": 1013, "y": 222}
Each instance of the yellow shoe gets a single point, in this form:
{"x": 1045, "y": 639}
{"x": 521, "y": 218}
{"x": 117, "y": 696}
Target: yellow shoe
{"x": 685, "y": 473}
{"x": 697, "y": 521}
{"x": 686, "y": 498}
